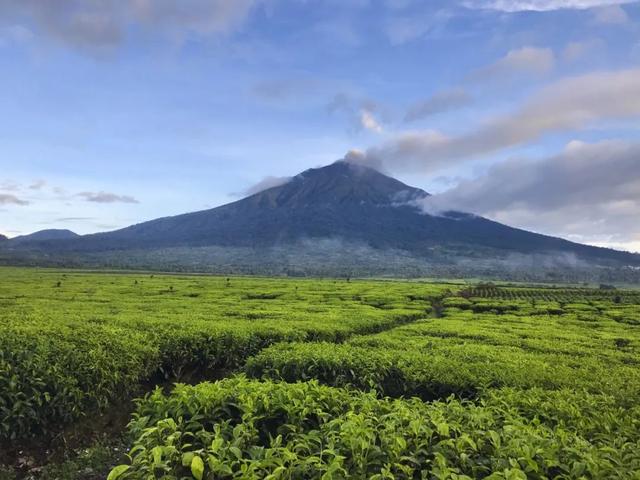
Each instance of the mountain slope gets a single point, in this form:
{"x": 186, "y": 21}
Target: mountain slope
{"x": 343, "y": 201}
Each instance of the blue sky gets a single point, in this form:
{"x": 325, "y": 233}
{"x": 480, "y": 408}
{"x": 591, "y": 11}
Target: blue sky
{"x": 120, "y": 111}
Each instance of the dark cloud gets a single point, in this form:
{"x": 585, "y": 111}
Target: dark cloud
{"x": 444, "y": 101}
{"x": 589, "y": 192}
{"x": 8, "y": 199}
{"x": 106, "y": 197}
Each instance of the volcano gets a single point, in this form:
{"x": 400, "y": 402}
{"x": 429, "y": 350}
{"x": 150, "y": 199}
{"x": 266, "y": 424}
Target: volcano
{"x": 342, "y": 205}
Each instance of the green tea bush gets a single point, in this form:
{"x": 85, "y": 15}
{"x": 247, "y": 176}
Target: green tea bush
{"x": 237, "y": 428}
{"x": 430, "y": 373}
{"x": 50, "y": 375}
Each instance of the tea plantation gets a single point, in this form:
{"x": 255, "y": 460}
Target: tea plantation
{"x": 281, "y": 378}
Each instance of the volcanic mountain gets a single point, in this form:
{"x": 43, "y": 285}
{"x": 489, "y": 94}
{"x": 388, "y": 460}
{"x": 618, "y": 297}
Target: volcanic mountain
{"x": 346, "y": 203}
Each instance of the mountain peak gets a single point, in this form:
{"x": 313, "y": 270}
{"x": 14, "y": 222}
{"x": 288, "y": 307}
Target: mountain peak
{"x": 45, "y": 235}
{"x": 339, "y": 183}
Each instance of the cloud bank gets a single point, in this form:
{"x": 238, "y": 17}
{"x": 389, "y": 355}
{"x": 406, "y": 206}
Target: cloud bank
{"x": 589, "y": 192}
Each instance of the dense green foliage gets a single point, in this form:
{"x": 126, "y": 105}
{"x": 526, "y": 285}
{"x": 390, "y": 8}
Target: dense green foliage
{"x": 508, "y": 381}
{"x": 73, "y": 342}
{"x": 479, "y": 344}
{"x": 242, "y": 429}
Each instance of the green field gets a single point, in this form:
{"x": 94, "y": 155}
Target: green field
{"x": 314, "y": 378}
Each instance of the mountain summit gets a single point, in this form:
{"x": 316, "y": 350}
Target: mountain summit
{"x": 341, "y": 183}
{"x": 348, "y": 205}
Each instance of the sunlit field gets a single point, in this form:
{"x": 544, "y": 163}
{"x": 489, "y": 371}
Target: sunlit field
{"x": 314, "y": 378}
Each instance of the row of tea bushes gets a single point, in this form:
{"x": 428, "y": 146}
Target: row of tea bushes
{"x": 52, "y": 374}
{"x": 447, "y": 369}
{"x": 73, "y": 342}
{"x": 238, "y": 428}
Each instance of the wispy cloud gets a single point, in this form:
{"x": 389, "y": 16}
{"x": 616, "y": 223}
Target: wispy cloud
{"x": 9, "y": 186}
{"x": 106, "y": 197}
{"x": 9, "y": 199}
{"x": 37, "y": 185}
{"x": 525, "y": 60}
{"x": 611, "y": 15}
{"x": 402, "y": 29}
{"x": 443, "y": 101}
{"x": 103, "y": 25}
{"x": 574, "y": 51}
{"x": 540, "y": 5}
{"x": 566, "y": 105}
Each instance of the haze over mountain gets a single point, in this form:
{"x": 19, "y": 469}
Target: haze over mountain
{"x": 345, "y": 204}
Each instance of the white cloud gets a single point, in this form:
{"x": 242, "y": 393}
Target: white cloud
{"x": 369, "y": 122}
{"x": 540, "y": 5}
{"x": 567, "y": 105}
{"x": 362, "y": 113}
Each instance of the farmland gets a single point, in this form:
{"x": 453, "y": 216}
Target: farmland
{"x": 314, "y": 378}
